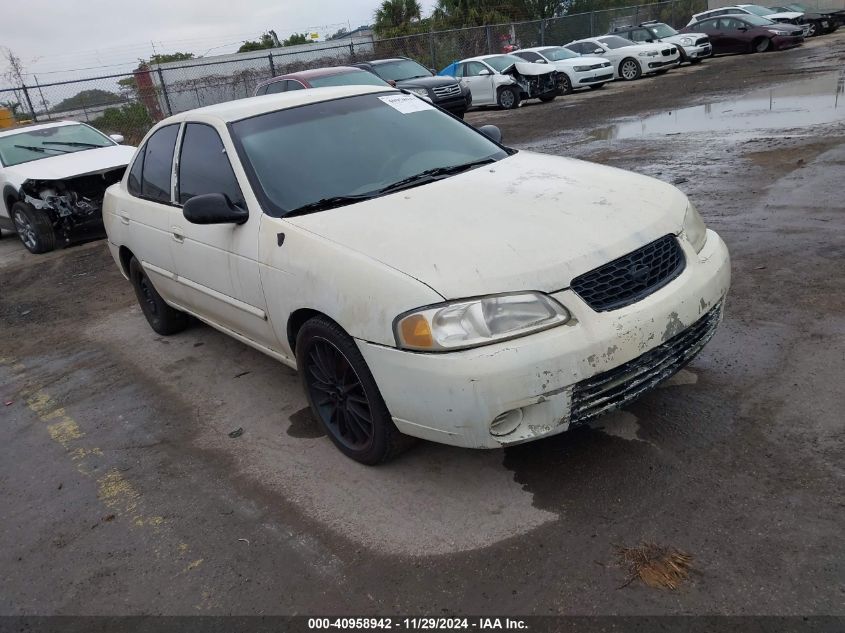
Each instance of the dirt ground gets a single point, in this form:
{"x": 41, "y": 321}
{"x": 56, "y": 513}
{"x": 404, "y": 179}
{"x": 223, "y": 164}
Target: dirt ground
{"x": 123, "y": 493}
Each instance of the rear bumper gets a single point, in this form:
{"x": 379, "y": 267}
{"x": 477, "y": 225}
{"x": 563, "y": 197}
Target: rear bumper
{"x": 452, "y": 398}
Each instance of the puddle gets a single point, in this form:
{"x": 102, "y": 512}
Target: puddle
{"x": 304, "y": 425}
{"x": 799, "y": 104}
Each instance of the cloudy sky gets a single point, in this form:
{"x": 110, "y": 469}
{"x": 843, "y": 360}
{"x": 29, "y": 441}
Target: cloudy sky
{"x": 99, "y": 37}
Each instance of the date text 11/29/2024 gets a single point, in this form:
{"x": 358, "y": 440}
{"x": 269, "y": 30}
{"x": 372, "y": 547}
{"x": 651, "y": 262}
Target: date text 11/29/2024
{"x": 418, "y": 623}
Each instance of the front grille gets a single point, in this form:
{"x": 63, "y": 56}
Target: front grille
{"x": 701, "y": 41}
{"x": 631, "y": 277}
{"x": 666, "y": 52}
{"x": 448, "y": 91}
{"x": 617, "y": 387}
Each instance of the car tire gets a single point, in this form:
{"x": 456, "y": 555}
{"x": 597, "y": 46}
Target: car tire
{"x": 814, "y": 29}
{"x": 761, "y": 45}
{"x": 162, "y": 318}
{"x": 565, "y": 85}
{"x": 343, "y": 394}
{"x": 597, "y": 86}
{"x": 508, "y": 98}
{"x": 630, "y": 69}
{"x": 34, "y": 228}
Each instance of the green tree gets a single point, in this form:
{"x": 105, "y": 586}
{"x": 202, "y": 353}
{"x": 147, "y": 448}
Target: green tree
{"x": 397, "y": 17}
{"x": 296, "y": 39}
{"x": 164, "y": 58}
{"x": 462, "y": 13}
{"x": 87, "y": 99}
{"x": 265, "y": 41}
{"x": 132, "y": 120}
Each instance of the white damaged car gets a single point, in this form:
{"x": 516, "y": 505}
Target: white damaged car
{"x": 53, "y": 177}
{"x": 578, "y": 71}
{"x": 505, "y": 80}
{"x": 630, "y": 59}
{"x": 557, "y": 291}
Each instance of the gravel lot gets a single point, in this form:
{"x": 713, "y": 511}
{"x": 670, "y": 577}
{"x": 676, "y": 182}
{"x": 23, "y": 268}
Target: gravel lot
{"x": 122, "y": 492}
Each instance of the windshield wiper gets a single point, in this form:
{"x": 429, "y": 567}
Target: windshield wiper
{"x": 432, "y": 174}
{"x": 42, "y": 150}
{"x": 329, "y": 203}
{"x": 72, "y": 143}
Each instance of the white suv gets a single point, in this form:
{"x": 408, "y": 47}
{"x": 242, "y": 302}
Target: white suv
{"x": 555, "y": 291}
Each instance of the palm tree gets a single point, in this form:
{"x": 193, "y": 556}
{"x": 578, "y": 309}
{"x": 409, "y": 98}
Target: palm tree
{"x": 394, "y": 15}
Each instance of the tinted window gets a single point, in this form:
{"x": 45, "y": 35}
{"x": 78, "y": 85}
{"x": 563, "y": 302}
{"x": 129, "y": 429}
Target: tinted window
{"x": 275, "y": 87}
{"x": 528, "y": 56}
{"x": 293, "y": 85}
{"x": 352, "y": 146}
{"x": 400, "y": 70}
{"x": 614, "y": 41}
{"x": 557, "y": 53}
{"x": 261, "y": 91}
{"x": 204, "y": 166}
{"x": 158, "y": 164}
{"x": 135, "y": 175}
{"x": 357, "y": 78}
{"x": 473, "y": 69}
{"x": 640, "y": 35}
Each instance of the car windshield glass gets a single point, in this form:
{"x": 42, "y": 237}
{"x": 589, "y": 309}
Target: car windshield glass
{"x": 357, "y": 78}
{"x": 400, "y": 70}
{"x": 557, "y": 53}
{"x": 663, "y": 30}
{"x": 757, "y": 10}
{"x": 353, "y": 146}
{"x": 52, "y": 141}
{"x": 757, "y": 21}
{"x": 614, "y": 41}
{"x": 501, "y": 62}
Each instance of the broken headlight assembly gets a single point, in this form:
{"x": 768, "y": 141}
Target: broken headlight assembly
{"x": 694, "y": 228}
{"x": 474, "y": 322}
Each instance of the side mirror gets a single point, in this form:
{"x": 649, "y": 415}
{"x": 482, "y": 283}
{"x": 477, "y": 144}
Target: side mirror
{"x": 392, "y": 82}
{"x": 484, "y": 72}
{"x": 742, "y": 28}
{"x": 117, "y": 138}
{"x": 432, "y": 71}
{"x": 541, "y": 61}
{"x": 598, "y": 51}
{"x": 492, "y": 132}
{"x": 213, "y": 208}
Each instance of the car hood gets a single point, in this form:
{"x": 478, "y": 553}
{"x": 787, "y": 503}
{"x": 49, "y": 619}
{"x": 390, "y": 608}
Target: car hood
{"x": 528, "y": 68}
{"x": 676, "y": 39}
{"x": 579, "y": 61}
{"x": 427, "y": 82}
{"x": 786, "y": 15}
{"x": 64, "y": 166}
{"x": 527, "y": 222}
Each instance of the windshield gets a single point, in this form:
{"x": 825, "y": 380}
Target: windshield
{"x": 400, "y": 70}
{"x": 350, "y": 147}
{"x": 758, "y": 21}
{"x": 614, "y": 41}
{"x": 500, "y": 62}
{"x": 663, "y": 30}
{"x": 757, "y": 9}
{"x": 357, "y": 78}
{"x": 557, "y": 53}
{"x": 35, "y": 144}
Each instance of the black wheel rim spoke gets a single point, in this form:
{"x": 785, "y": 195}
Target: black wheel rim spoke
{"x": 338, "y": 395}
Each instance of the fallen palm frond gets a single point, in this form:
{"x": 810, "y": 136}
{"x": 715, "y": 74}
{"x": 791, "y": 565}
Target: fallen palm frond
{"x": 656, "y": 566}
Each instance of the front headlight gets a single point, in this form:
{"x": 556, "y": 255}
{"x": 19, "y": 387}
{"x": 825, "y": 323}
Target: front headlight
{"x": 694, "y": 228}
{"x": 648, "y": 54}
{"x": 581, "y": 69}
{"x": 687, "y": 41}
{"x": 420, "y": 92}
{"x": 473, "y": 322}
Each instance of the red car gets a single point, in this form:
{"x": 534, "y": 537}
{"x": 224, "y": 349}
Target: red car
{"x": 742, "y": 33}
{"x": 319, "y": 78}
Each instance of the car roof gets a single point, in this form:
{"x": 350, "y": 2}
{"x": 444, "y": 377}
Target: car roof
{"x": 327, "y": 71}
{"x": 534, "y": 49}
{"x": 252, "y": 106}
{"x": 35, "y": 126}
{"x": 377, "y": 62}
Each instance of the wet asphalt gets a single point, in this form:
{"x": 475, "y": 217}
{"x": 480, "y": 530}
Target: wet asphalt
{"x": 123, "y": 492}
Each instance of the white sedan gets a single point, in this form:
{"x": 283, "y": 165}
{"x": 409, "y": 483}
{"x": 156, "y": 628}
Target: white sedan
{"x": 558, "y": 290}
{"x": 578, "y": 71}
{"x": 630, "y": 60}
{"x": 504, "y": 80}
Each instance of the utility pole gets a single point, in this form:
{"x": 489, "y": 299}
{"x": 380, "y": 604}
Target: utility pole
{"x": 40, "y": 92}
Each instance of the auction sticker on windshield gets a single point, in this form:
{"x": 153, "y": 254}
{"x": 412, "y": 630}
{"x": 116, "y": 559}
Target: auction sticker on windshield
{"x": 406, "y": 103}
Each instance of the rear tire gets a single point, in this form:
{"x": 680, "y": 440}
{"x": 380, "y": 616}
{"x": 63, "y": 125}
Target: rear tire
{"x": 162, "y": 318}
{"x": 814, "y": 30}
{"x": 34, "y": 228}
{"x": 343, "y": 394}
{"x": 565, "y": 85}
{"x": 630, "y": 69}
{"x": 508, "y": 98}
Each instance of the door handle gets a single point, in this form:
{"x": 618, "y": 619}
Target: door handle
{"x": 124, "y": 217}
{"x": 178, "y": 236}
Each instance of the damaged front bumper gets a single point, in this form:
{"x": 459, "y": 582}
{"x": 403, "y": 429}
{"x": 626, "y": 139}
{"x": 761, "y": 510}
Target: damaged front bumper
{"x": 561, "y": 377}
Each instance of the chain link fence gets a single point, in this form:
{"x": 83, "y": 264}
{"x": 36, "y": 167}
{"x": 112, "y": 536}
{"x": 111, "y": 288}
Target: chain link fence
{"x": 130, "y": 103}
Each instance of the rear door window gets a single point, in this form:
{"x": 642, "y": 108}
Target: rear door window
{"x": 158, "y": 164}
